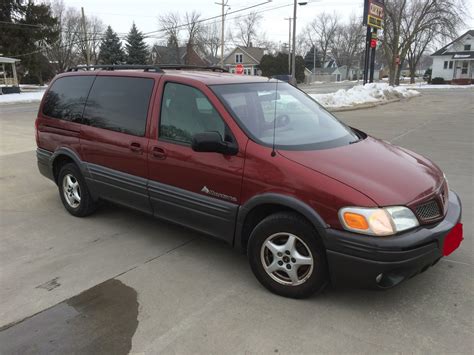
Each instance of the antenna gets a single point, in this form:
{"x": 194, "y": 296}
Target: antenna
{"x": 274, "y": 119}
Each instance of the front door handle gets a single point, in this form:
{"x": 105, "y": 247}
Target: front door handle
{"x": 136, "y": 148}
{"x": 158, "y": 153}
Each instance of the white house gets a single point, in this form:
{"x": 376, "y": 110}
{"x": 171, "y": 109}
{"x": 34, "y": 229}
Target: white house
{"x": 248, "y": 57}
{"x": 454, "y": 62}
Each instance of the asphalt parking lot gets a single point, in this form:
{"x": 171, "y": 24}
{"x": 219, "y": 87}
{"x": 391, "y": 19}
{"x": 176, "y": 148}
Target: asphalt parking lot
{"x": 119, "y": 282}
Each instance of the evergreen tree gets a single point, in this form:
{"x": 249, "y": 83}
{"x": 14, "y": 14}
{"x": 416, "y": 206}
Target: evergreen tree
{"x": 135, "y": 46}
{"x": 271, "y": 65}
{"x": 111, "y": 51}
{"x": 25, "y": 42}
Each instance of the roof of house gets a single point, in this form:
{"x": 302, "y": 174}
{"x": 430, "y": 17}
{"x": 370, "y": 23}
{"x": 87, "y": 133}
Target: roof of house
{"x": 6, "y": 60}
{"x": 444, "y": 50}
{"x": 256, "y": 53}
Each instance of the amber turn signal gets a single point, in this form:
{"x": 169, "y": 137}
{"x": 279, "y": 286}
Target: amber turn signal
{"x": 355, "y": 221}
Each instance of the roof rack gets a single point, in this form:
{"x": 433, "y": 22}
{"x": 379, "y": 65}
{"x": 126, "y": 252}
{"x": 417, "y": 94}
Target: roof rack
{"x": 146, "y": 68}
{"x": 185, "y": 66}
{"x": 112, "y": 67}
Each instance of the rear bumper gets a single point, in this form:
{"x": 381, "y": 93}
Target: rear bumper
{"x": 356, "y": 260}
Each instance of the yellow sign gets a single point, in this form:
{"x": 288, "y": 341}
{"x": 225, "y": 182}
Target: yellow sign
{"x": 374, "y": 22}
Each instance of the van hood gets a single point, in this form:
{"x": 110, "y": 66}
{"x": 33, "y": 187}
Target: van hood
{"x": 387, "y": 174}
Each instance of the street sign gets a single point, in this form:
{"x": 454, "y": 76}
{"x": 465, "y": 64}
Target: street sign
{"x": 373, "y": 43}
{"x": 239, "y": 69}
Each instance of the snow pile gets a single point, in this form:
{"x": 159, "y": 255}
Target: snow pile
{"x": 35, "y": 96}
{"x": 363, "y": 94}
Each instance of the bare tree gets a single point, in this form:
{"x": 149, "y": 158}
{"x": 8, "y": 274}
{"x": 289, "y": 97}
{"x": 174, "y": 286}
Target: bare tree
{"x": 407, "y": 20}
{"x": 417, "y": 49}
{"x": 209, "y": 41}
{"x": 247, "y": 28}
{"x": 193, "y": 26}
{"x": 63, "y": 53}
{"x": 170, "y": 24}
{"x": 95, "y": 30}
{"x": 348, "y": 43}
{"x": 322, "y": 31}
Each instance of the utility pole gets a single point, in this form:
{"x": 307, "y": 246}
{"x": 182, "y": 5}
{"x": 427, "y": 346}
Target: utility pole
{"x": 293, "y": 54}
{"x": 289, "y": 43}
{"x": 223, "y": 5}
{"x": 314, "y": 59}
{"x": 88, "y": 55}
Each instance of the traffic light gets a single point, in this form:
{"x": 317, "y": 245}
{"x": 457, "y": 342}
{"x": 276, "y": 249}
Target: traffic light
{"x": 373, "y": 43}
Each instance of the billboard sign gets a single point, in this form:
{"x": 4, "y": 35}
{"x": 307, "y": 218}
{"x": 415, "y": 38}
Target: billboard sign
{"x": 373, "y": 13}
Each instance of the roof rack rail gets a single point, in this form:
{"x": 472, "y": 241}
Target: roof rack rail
{"x": 112, "y": 67}
{"x": 184, "y": 66}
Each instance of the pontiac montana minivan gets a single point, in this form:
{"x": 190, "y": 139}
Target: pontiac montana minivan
{"x": 254, "y": 162}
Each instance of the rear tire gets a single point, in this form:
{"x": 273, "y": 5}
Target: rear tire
{"x": 73, "y": 191}
{"x": 287, "y": 256}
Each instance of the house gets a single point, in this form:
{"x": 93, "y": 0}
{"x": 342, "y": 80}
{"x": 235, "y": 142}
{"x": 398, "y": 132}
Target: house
{"x": 180, "y": 55}
{"x": 454, "y": 62}
{"x": 249, "y": 57}
{"x": 8, "y": 85}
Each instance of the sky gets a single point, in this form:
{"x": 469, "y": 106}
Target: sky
{"x": 120, "y": 14}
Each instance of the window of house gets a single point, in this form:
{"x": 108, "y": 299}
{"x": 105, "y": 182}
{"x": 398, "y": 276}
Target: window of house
{"x": 451, "y": 64}
{"x": 119, "y": 104}
{"x": 239, "y": 58}
{"x": 465, "y": 65}
{"x": 186, "y": 111}
{"x": 467, "y": 47}
{"x": 65, "y": 100}
{"x": 445, "y": 64}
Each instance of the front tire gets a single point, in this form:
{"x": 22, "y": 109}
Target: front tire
{"x": 73, "y": 191}
{"x": 287, "y": 256}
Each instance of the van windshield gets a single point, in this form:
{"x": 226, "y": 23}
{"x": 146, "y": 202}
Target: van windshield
{"x": 300, "y": 122}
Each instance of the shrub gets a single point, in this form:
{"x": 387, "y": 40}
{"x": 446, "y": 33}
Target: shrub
{"x": 437, "y": 81}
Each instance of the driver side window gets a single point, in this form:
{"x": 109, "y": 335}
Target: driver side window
{"x": 185, "y": 111}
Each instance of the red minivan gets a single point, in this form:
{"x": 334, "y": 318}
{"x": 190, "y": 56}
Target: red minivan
{"x": 252, "y": 161}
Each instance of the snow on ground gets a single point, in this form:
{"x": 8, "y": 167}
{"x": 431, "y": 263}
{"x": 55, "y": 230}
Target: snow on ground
{"x": 370, "y": 93}
{"x": 35, "y": 96}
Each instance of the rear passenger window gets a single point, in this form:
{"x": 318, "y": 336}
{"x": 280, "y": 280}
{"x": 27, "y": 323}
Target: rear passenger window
{"x": 119, "y": 104}
{"x": 65, "y": 100}
{"x": 186, "y": 111}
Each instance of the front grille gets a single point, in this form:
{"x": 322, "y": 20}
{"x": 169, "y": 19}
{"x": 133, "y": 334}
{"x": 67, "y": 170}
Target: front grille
{"x": 428, "y": 211}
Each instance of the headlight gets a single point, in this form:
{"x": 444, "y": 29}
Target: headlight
{"x": 377, "y": 221}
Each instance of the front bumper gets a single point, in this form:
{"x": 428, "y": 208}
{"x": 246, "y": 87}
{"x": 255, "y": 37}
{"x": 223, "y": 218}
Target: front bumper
{"x": 383, "y": 262}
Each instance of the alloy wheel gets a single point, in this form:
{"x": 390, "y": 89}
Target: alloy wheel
{"x": 287, "y": 259}
{"x": 71, "y": 191}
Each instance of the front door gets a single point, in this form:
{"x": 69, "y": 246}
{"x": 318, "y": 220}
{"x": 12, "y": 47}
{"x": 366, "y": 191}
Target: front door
{"x": 113, "y": 139}
{"x": 462, "y": 70}
{"x": 195, "y": 189}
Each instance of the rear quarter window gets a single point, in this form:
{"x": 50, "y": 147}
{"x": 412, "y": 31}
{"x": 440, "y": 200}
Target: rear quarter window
{"x": 119, "y": 104}
{"x": 66, "y": 98}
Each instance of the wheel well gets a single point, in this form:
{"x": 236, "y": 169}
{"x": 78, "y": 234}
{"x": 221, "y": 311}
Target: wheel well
{"x": 58, "y": 163}
{"x": 256, "y": 215}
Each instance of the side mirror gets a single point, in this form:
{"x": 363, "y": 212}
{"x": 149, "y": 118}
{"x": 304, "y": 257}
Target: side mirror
{"x": 212, "y": 142}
